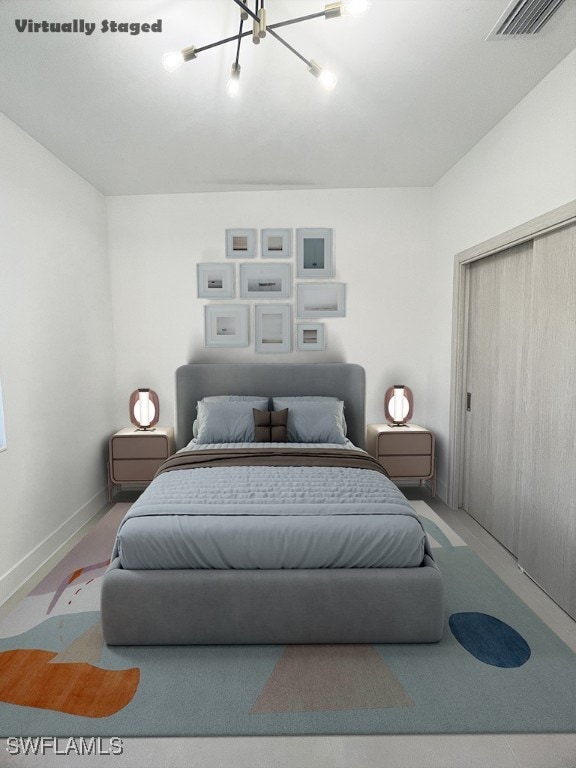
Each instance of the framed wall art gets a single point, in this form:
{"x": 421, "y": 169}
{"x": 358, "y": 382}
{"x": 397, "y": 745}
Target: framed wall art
{"x": 310, "y": 337}
{"x": 276, "y": 243}
{"x": 314, "y": 253}
{"x": 226, "y": 325}
{"x": 272, "y": 327}
{"x": 321, "y": 300}
{"x": 265, "y": 281}
{"x": 216, "y": 281}
{"x": 240, "y": 243}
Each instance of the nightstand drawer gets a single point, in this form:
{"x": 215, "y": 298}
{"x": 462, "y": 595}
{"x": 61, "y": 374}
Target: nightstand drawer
{"x": 407, "y": 466}
{"x": 135, "y": 470}
{"x": 140, "y": 447}
{"x": 406, "y": 453}
{"x": 134, "y": 456}
{"x": 394, "y": 444}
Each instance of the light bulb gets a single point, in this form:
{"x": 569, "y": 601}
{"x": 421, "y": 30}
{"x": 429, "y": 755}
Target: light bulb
{"x": 328, "y": 79}
{"x": 233, "y": 85}
{"x": 144, "y": 410}
{"x": 354, "y": 7}
{"x": 172, "y": 61}
{"x": 233, "y": 88}
{"x": 398, "y": 404}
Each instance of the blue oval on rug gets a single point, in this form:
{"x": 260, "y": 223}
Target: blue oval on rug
{"x": 490, "y": 640}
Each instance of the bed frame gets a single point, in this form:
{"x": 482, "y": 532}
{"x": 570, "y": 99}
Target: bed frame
{"x": 191, "y": 607}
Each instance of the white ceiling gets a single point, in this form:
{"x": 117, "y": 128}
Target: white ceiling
{"x": 418, "y": 86}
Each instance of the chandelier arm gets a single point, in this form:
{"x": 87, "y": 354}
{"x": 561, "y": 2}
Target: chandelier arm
{"x": 287, "y": 45}
{"x": 240, "y": 36}
{"x": 246, "y": 9}
{"x": 278, "y": 24}
{"x": 271, "y": 28}
{"x": 222, "y": 42}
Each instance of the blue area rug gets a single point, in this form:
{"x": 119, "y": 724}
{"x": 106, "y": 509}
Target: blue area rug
{"x": 497, "y": 669}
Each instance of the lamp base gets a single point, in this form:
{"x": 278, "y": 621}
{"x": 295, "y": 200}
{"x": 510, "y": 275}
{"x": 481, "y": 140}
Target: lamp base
{"x": 145, "y": 429}
{"x": 399, "y": 424}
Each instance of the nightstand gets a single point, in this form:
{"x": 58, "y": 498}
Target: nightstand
{"x": 404, "y": 452}
{"x": 135, "y": 455}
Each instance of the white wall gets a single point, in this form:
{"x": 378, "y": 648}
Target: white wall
{"x": 382, "y": 250}
{"x": 56, "y": 361}
{"x": 523, "y": 168}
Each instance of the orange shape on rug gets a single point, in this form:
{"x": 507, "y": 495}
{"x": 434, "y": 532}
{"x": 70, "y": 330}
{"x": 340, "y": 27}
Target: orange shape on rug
{"x": 28, "y": 679}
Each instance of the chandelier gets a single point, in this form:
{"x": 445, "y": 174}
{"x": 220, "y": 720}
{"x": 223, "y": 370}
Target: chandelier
{"x": 260, "y": 28}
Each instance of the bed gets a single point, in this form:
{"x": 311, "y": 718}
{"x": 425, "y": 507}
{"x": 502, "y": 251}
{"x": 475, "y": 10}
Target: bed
{"x": 249, "y": 541}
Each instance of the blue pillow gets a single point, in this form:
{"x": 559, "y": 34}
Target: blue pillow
{"x": 259, "y": 402}
{"x": 314, "y": 419}
{"x": 228, "y": 422}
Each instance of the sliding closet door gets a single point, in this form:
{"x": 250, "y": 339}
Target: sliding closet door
{"x": 519, "y": 470}
{"x": 499, "y": 287}
{"x": 548, "y": 500}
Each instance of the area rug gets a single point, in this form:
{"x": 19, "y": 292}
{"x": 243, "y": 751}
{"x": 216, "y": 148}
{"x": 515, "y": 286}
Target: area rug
{"x": 497, "y": 669}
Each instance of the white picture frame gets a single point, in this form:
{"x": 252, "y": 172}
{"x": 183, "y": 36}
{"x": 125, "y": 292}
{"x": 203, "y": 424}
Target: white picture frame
{"x": 272, "y": 328}
{"x": 314, "y": 257}
{"x": 241, "y": 243}
{"x": 310, "y": 337}
{"x": 265, "y": 281}
{"x": 216, "y": 281}
{"x": 320, "y": 300}
{"x": 226, "y": 325}
{"x": 276, "y": 243}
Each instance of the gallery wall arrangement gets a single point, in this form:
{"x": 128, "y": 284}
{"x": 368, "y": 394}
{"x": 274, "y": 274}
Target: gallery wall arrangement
{"x": 269, "y": 269}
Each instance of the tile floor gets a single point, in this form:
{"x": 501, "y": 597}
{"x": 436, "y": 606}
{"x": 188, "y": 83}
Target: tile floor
{"x": 470, "y": 751}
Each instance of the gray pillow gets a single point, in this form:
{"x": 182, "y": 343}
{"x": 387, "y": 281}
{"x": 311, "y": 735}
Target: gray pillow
{"x": 227, "y": 422}
{"x": 258, "y": 401}
{"x": 235, "y": 399}
{"x": 313, "y": 419}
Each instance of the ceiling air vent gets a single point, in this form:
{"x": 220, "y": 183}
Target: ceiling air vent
{"x": 524, "y": 17}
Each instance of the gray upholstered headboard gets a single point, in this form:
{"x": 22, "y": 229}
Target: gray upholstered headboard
{"x": 344, "y": 380}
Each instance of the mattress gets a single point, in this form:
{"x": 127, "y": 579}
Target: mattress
{"x": 270, "y": 517}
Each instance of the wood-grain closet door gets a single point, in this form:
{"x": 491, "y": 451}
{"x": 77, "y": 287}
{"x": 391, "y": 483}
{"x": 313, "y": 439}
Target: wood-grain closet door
{"x": 499, "y": 286}
{"x": 547, "y": 549}
{"x": 519, "y": 477}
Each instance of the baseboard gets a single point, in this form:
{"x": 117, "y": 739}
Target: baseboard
{"x": 442, "y": 491}
{"x": 25, "y": 569}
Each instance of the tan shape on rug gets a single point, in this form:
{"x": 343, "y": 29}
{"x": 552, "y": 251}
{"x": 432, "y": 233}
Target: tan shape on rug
{"x": 28, "y": 679}
{"x": 87, "y": 647}
{"x": 322, "y": 678}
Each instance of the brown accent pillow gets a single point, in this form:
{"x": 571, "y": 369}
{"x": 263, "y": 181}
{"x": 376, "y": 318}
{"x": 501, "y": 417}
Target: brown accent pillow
{"x": 270, "y": 426}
